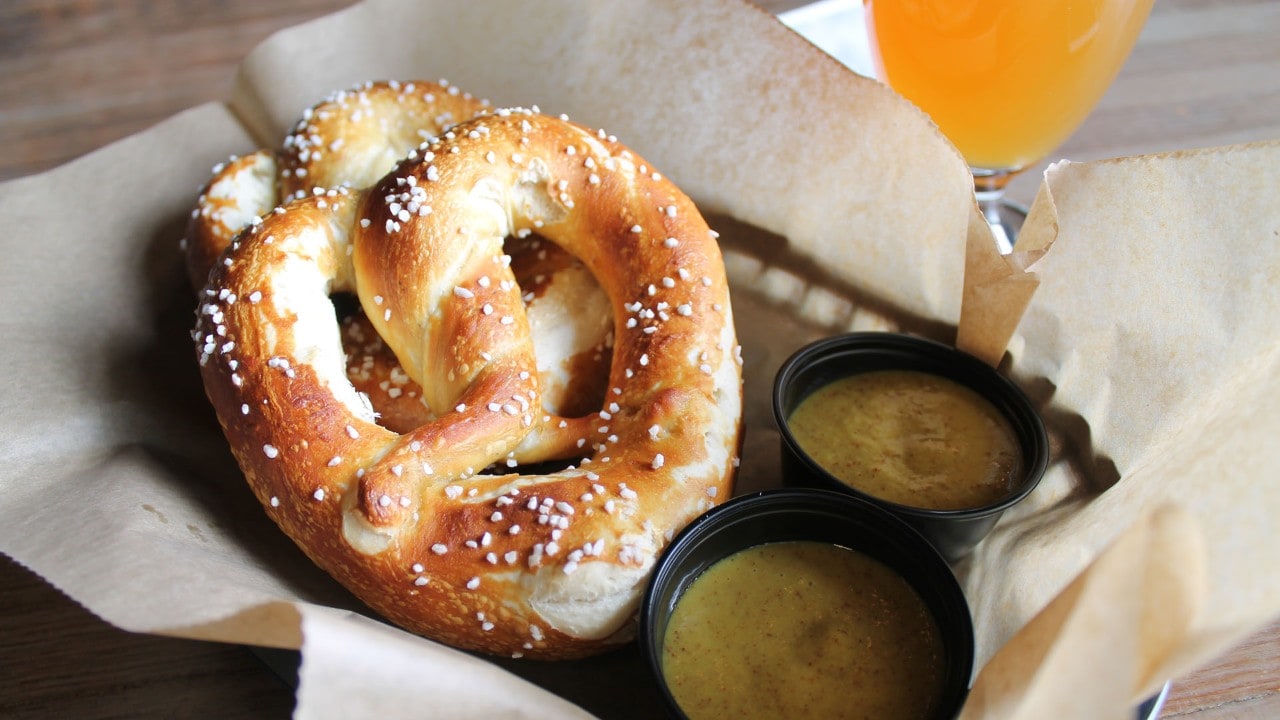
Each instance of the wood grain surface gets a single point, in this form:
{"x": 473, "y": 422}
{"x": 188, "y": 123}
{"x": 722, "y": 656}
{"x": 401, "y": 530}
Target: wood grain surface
{"x": 76, "y": 75}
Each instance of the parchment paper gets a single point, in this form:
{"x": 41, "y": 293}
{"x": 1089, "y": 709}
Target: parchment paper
{"x": 1152, "y": 346}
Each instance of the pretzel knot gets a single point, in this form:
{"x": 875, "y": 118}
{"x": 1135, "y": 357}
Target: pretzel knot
{"x": 430, "y": 527}
{"x": 351, "y": 139}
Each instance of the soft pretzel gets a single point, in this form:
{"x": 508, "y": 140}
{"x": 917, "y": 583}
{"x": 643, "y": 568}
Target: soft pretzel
{"x": 351, "y": 139}
{"x": 542, "y": 565}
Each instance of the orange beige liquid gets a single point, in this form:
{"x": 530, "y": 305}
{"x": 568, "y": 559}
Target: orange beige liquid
{"x": 803, "y": 629}
{"x": 910, "y": 437}
{"x": 1007, "y": 81}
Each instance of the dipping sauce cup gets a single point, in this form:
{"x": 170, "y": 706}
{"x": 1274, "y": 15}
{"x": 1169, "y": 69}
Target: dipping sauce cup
{"x": 932, "y": 434}
{"x": 806, "y": 603}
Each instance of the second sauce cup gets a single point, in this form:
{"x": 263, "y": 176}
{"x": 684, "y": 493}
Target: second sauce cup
{"x": 934, "y": 435}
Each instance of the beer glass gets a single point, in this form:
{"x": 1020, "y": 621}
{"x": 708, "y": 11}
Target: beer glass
{"x": 1007, "y": 81}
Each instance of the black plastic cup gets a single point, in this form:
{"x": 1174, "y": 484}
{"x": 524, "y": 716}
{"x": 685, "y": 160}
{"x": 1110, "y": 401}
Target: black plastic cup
{"x": 821, "y": 516}
{"x": 953, "y": 532}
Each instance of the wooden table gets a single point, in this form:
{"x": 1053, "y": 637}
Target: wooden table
{"x": 77, "y": 75}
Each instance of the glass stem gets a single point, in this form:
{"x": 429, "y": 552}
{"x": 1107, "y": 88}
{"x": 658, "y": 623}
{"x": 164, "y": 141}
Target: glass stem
{"x": 1004, "y": 219}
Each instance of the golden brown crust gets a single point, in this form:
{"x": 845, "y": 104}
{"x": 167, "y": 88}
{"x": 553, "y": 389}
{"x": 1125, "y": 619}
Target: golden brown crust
{"x": 240, "y": 191}
{"x": 353, "y": 137}
{"x": 548, "y": 566}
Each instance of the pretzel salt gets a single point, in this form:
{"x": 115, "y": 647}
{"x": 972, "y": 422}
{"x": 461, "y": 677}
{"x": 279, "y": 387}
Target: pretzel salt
{"x": 425, "y": 526}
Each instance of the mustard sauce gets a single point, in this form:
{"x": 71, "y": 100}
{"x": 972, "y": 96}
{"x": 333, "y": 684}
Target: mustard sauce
{"x": 911, "y": 438}
{"x": 802, "y": 630}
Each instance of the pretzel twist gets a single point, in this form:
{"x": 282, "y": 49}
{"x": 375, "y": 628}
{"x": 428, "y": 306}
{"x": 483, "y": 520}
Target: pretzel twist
{"x": 351, "y": 139}
{"x": 547, "y": 566}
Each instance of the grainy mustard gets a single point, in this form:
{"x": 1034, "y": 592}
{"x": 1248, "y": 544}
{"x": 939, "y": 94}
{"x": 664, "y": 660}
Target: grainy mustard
{"x": 911, "y": 438}
{"x": 802, "y": 630}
